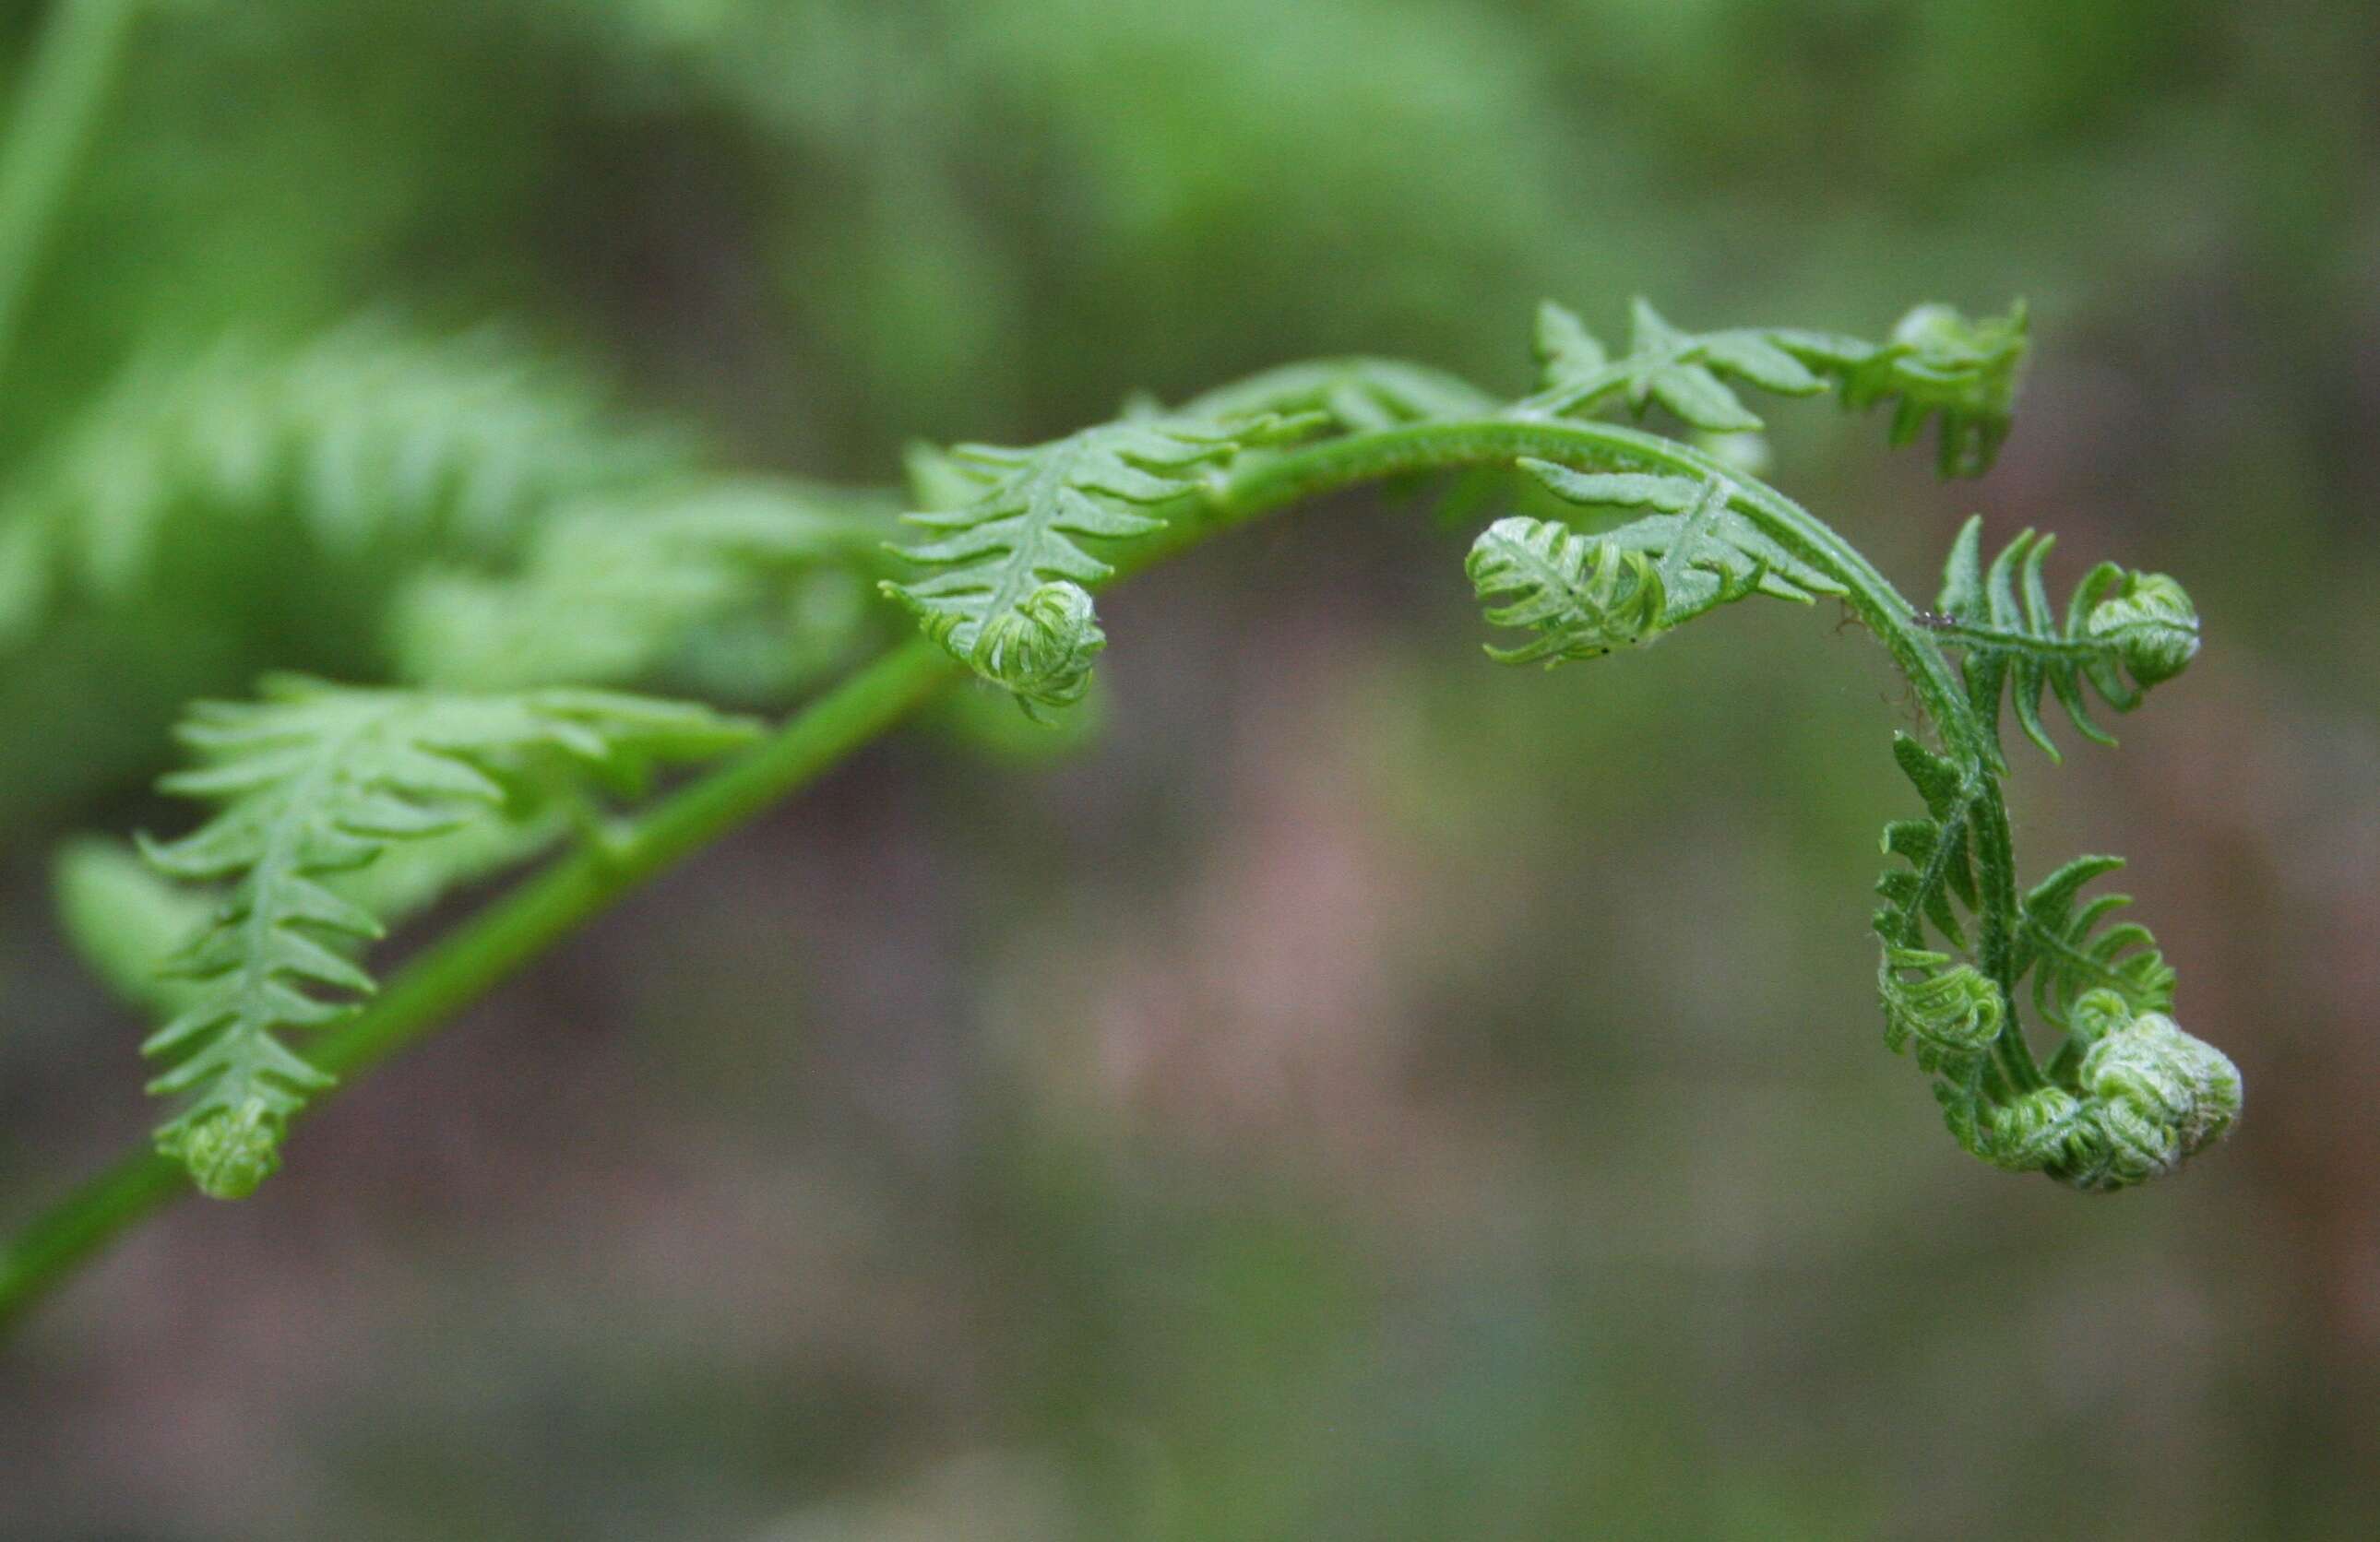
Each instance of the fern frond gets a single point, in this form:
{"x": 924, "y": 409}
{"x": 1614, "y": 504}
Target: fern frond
{"x": 1679, "y": 369}
{"x": 127, "y": 920}
{"x": 1938, "y": 366}
{"x": 2061, "y": 945}
{"x": 1951, "y": 1015}
{"x": 1005, "y": 592}
{"x": 363, "y": 442}
{"x": 1951, "y": 1011}
{"x": 621, "y": 591}
{"x": 1941, "y": 366}
{"x": 1586, "y": 595}
{"x": 257, "y": 507}
{"x": 316, "y": 780}
{"x": 1709, "y": 553}
{"x": 1582, "y": 594}
{"x": 2130, "y": 1096}
{"x": 2012, "y": 643}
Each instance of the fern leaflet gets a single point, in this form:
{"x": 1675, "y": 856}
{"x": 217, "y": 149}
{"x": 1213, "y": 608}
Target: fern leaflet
{"x": 1938, "y": 366}
{"x": 616, "y": 592}
{"x": 1940, "y": 877}
{"x": 1586, "y": 595}
{"x": 315, "y": 779}
{"x": 2068, "y": 957}
{"x": 1006, "y": 593}
{"x": 2001, "y": 621}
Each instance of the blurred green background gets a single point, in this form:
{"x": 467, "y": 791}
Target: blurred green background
{"x": 1360, "y": 1094}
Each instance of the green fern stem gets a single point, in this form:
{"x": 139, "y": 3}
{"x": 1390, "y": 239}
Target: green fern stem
{"x": 504, "y": 937}
{"x": 517, "y": 928}
{"x": 1425, "y": 447}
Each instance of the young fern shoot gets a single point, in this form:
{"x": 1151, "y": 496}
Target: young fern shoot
{"x": 2125, "y": 1095}
{"x": 1651, "y": 532}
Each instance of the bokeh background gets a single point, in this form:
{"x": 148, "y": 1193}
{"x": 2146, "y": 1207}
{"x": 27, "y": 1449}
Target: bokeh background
{"x": 1355, "y": 1093}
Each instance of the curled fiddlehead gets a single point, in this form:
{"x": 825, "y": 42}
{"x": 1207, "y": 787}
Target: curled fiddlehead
{"x": 1006, "y": 569}
{"x": 2097, "y": 1123}
{"x": 1688, "y": 551}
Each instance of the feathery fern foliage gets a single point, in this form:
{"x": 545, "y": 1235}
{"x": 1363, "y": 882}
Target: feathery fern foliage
{"x": 1939, "y": 882}
{"x": 255, "y": 507}
{"x": 2001, "y": 622}
{"x": 362, "y": 444}
{"x": 746, "y": 589}
{"x": 1939, "y": 366}
{"x": 1587, "y": 594}
{"x": 2079, "y": 1124}
{"x": 317, "y": 780}
{"x": 1005, "y": 588}
{"x": 2062, "y": 944}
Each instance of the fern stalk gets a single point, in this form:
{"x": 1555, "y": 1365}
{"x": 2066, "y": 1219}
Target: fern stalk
{"x": 504, "y": 937}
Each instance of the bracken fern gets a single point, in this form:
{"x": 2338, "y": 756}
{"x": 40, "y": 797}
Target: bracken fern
{"x": 317, "y": 784}
{"x": 1695, "y": 533}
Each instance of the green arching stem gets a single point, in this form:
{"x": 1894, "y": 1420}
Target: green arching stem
{"x": 65, "y": 84}
{"x": 1427, "y": 446}
{"x": 519, "y": 927}
{"x": 507, "y": 935}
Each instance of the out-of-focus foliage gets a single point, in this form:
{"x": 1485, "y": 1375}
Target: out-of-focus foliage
{"x": 1361, "y": 1216}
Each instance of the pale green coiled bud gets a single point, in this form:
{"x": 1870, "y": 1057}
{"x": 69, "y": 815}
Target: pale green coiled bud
{"x": 2150, "y": 623}
{"x": 2045, "y": 1128}
{"x": 1584, "y": 596}
{"x": 228, "y": 1152}
{"x": 2153, "y": 1069}
{"x": 1951, "y": 1011}
{"x": 2095, "y": 1015}
{"x": 1042, "y": 649}
{"x": 2154, "y": 1095}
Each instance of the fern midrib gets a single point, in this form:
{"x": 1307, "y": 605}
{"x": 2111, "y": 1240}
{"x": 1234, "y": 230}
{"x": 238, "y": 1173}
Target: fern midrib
{"x": 1996, "y": 639}
{"x": 307, "y": 802}
{"x": 1042, "y": 497}
{"x": 2044, "y": 940}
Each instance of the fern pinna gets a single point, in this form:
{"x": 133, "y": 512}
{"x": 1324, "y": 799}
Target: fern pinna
{"x": 315, "y": 781}
{"x": 1630, "y": 534}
